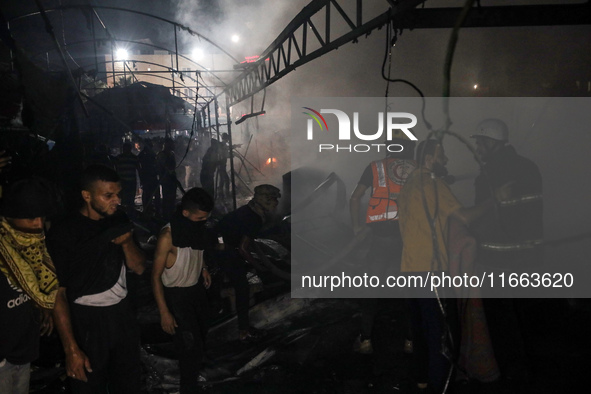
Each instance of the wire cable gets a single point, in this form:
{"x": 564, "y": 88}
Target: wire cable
{"x": 390, "y": 42}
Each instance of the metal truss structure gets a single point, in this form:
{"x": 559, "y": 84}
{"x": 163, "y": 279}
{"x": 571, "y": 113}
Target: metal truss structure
{"x": 291, "y": 48}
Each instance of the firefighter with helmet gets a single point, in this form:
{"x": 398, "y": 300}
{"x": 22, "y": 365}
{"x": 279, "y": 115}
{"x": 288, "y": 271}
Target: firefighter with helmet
{"x": 509, "y": 238}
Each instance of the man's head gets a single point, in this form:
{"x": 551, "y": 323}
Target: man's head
{"x": 100, "y": 191}
{"x": 26, "y": 205}
{"x": 225, "y": 137}
{"x": 431, "y": 155}
{"x": 196, "y": 205}
{"x": 491, "y": 135}
{"x": 267, "y": 197}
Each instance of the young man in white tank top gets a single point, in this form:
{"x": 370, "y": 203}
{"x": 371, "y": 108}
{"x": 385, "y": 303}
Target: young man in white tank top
{"x": 179, "y": 281}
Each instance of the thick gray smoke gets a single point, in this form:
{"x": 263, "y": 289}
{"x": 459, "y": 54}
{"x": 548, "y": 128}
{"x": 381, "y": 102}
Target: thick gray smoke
{"x": 501, "y": 62}
{"x": 494, "y": 61}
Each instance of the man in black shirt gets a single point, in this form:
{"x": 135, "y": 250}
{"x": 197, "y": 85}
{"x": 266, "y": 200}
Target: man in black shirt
{"x": 239, "y": 229}
{"x": 92, "y": 249}
{"x": 149, "y": 177}
{"x": 28, "y": 285}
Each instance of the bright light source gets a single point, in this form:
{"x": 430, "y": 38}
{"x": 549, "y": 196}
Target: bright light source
{"x": 121, "y": 54}
{"x": 197, "y": 54}
{"x": 235, "y": 38}
{"x": 476, "y": 86}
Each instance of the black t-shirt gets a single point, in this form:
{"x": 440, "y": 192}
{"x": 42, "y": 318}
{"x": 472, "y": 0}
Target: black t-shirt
{"x": 243, "y": 221}
{"x": 148, "y": 172}
{"x": 86, "y": 260}
{"x": 209, "y": 163}
{"x": 518, "y": 223}
{"x": 165, "y": 164}
{"x": 19, "y": 324}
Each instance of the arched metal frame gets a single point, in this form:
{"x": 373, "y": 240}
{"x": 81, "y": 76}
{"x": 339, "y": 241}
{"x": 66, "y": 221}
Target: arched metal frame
{"x": 172, "y": 70}
{"x": 94, "y": 8}
{"x": 156, "y": 74}
{"x": 166, "y": 79}
{"x": 205, "y": 109}
{"x": 173, "y": 51}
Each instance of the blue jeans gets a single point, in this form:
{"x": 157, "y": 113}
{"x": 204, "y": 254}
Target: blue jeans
{"x": 14, "y": 379}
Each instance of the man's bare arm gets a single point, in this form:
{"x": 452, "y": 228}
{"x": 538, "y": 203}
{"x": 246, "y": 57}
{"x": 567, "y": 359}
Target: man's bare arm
{"x": 163, "y": 249}
{"x": 77, "y": 363}
{"x": 135, "y": 259}
{"x": 46, "y": 321}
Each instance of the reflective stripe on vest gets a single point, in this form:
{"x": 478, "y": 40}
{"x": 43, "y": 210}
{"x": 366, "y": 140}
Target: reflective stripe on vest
{"x": 381, "y": 173}
{"x": 521, "y": 200}
{"x": 511, "y": 247}
{"x": 389, "y": 175}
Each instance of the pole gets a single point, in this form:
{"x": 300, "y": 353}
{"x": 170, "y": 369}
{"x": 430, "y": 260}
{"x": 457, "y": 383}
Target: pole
{"x": 113, "y": 62}
{"x": 232, "y": 178}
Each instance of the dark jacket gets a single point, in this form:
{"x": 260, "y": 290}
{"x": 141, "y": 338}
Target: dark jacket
{"x": 510, "y": 236}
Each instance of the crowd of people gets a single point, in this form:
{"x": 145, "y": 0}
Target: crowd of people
{"x": 159, "y": 169}
{"x": 75, "y": 278}
{"x": 72, "y": 273}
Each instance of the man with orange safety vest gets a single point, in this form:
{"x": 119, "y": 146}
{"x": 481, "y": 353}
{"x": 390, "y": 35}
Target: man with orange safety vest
{"x": 386, "y": 178}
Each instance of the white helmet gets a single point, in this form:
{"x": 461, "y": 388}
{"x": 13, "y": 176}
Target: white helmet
{"x": 492, "y": 128}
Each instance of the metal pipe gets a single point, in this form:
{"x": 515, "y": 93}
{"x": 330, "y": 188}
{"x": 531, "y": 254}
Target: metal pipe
{"x": 232, "y": 177}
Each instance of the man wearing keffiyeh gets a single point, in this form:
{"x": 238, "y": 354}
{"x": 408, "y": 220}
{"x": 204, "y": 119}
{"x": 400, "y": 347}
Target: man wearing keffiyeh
{"x": 28, "y": 284}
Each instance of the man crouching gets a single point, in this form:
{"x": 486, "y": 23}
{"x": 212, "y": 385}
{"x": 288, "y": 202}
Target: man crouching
{"x": 179, "y": 280}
